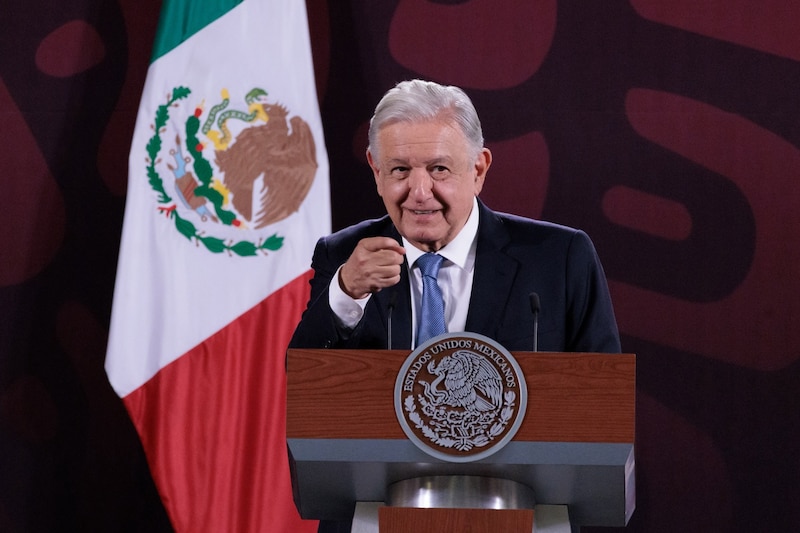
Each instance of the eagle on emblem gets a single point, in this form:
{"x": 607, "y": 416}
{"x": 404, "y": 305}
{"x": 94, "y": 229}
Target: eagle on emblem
{"x": 281, "y": 152}
{"x": 470, "y": 382}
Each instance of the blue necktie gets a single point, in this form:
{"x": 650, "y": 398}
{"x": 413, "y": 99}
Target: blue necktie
{"x": 431, "y": 320}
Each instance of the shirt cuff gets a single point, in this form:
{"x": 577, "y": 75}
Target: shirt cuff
{"x": 349, "y": 311}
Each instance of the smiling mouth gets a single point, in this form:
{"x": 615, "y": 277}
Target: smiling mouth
{"x": 430, "y": 211}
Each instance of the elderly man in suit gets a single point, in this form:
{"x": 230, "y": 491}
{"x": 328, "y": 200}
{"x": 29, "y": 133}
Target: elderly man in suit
{"x": 427, "y": 155}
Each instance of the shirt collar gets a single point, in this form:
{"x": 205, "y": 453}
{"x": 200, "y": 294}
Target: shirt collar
{"x": 458, "y": 250}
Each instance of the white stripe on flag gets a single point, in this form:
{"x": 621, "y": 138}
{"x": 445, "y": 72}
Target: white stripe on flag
{"x": 171, "y": 293}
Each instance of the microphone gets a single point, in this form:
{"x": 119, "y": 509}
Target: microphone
{"x": 390, "y": 309}
{"x": 534, "y": 298}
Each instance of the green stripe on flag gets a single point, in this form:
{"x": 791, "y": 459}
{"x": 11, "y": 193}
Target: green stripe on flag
{"x": 180, "y": 19}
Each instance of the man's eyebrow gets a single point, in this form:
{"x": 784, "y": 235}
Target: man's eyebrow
{"x": 428, "y": 162}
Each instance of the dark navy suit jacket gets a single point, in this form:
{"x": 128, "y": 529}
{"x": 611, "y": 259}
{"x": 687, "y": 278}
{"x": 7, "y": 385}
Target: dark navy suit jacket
{"x": 515, "y": 256}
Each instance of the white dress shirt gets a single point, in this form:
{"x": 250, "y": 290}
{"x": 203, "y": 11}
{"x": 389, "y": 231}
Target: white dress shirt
{"x": 455, "y": 280}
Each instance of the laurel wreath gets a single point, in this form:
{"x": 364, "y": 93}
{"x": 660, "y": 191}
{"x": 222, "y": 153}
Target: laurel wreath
{"x": 204, "y": 173}
{"x": 464, "y": 444}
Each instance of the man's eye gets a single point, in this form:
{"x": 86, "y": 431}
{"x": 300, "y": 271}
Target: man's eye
{"x": 439, "y": 171}
{"x": 399, "y": 172}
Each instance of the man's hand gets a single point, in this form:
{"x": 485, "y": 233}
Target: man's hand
{"x": 373, "y": 265}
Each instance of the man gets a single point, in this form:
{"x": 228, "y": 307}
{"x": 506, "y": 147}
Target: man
{"x": 427, "y": 155}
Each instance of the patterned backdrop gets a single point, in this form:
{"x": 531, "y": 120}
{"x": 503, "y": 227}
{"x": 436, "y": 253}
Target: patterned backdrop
{"x": 666, "y": 129}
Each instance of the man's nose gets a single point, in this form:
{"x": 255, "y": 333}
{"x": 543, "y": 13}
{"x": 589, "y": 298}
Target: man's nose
{"x": 420, "y": 183}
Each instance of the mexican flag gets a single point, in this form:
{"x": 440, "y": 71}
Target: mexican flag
{"x": 227, "y": 194}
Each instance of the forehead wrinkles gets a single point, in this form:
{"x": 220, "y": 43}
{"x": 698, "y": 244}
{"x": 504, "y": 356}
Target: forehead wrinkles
{"x": 413, "y": 134}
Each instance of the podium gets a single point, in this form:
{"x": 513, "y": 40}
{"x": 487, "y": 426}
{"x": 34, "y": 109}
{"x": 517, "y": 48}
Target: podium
{"x": 575, "y": 446}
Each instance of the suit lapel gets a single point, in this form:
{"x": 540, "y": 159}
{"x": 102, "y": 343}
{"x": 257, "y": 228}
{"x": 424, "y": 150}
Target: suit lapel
{"x": 494, "y": 276}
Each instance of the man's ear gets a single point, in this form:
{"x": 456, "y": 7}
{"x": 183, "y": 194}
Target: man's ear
{"x": 375, "y": 172}
{"x": 482, "y": 164}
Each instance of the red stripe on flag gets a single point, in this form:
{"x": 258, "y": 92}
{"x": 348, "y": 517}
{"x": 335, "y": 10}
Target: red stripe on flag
{"x": 213, "y": 424}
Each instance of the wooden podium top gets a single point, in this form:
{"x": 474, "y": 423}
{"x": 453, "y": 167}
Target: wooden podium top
{"x": 572, "y": 397}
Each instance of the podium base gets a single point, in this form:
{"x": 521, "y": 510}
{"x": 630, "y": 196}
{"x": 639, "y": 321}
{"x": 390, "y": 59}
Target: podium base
{"x": 546, "y": 518}
{"x": 440, "y": 520}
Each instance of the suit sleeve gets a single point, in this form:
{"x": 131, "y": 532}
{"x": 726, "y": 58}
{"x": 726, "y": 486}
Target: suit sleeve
{"x": 318, "y": 327}
{"x": 591, "y": 325}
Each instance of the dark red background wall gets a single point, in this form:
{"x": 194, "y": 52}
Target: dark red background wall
{"x": 668, "y": 130}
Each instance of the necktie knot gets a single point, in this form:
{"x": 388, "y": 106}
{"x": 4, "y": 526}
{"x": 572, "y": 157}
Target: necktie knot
{"x": 429, "y": 264}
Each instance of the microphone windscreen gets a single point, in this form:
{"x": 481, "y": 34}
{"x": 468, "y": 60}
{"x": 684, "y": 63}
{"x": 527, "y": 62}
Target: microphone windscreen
{"x": 534, "y": 297}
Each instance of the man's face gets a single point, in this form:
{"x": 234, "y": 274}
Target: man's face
{"x": 427, "y": 176}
